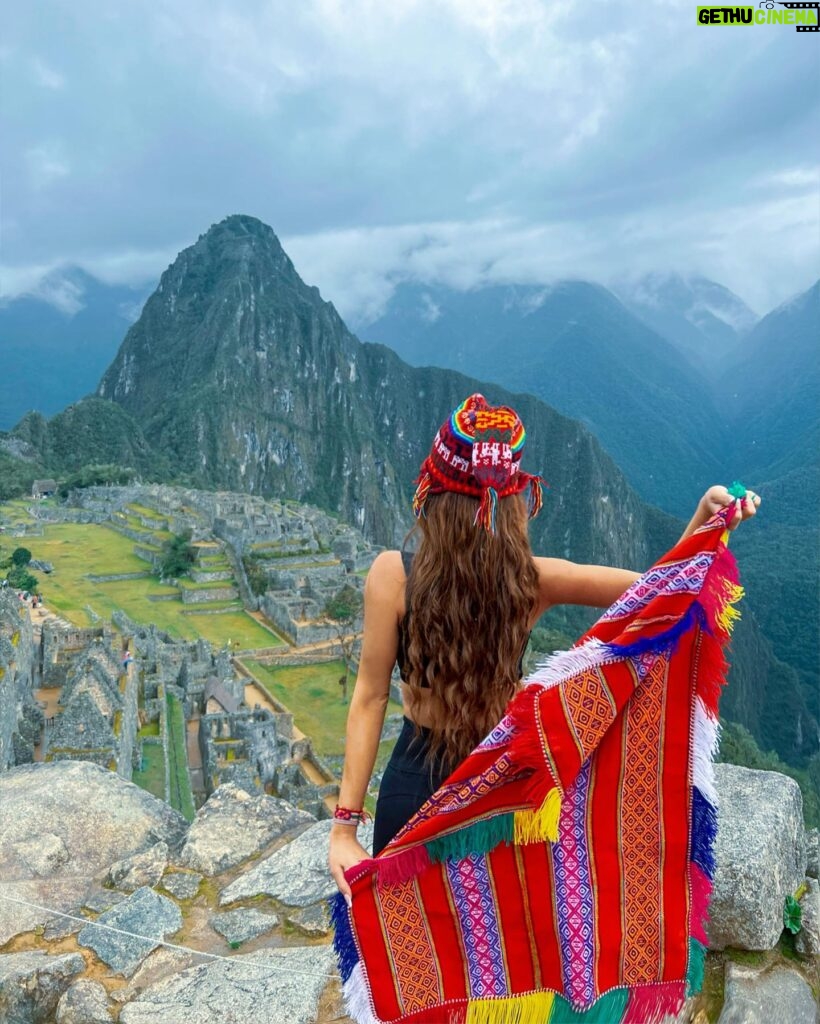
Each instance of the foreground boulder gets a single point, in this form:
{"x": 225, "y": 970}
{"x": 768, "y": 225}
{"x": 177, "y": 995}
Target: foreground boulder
{"x": 807, "y": 940}
{"x": 274, "y": 986}
{"x": 61, "y": 825}
{"x": 297, "y": 875}
{"x": 149, "y": 918}
{"x": 86, "y": 1002}
{"x": 765, "y": 996}
{"x": 144, "y": 868}
{"x": 232, "y": 825}
{"x": 760, "y": 854}
{"x": 31, "y": 985}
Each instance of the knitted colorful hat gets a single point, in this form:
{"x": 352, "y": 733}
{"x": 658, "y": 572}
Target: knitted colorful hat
{"x": 477, "y": 451}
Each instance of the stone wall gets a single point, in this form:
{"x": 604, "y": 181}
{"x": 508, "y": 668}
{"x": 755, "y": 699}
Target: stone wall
{"x": 246, "y": 745}
{"x": 20, "y": 718}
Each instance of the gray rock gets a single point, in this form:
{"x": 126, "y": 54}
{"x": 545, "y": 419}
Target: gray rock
{"x": 141, "y": 869}
{"x": 156, "y": 967}
{"x": 232, "y": 826}
{"x": 813, "y": 853}
{"x": 296, "y": 875}
{"x": 760, "y": 854}
{"x": 147, "y": 915}
{"x": 755, "y": 996}
{"x": 182, "y": 884}
{"x": 313, "y": 920}
{"x": 807, "y": 940}
{"x": 62, "y": 825}
{"x": 100, "y": 900}
{"x": 31, "y": 985}
{"x": 43, "y": 853}
{"x": 86, "y": 1002}
{"x": 243, "y": 924}
{"x": 287, "y": 983}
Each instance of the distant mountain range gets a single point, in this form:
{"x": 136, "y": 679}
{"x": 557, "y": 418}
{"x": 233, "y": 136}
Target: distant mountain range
{"x": 55, "y": 345}
{"x": 238, "y": 375}
{"x": 703, "y": 320}
{"x": 577, "y": 347}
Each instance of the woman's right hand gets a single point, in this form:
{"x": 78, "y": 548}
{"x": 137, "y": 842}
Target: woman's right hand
{"x": 345, "y": 852}
{"x": 719, "y": 497}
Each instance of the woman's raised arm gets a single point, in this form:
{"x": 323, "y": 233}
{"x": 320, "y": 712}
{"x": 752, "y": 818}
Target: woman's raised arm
{"x": 565, "y": 582}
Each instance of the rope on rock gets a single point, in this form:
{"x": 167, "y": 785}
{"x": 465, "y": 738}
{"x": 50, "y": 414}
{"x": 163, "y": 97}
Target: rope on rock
{"x": 234, "y": 961}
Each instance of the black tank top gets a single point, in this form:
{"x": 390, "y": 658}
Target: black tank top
{"x": 401, "y": 653}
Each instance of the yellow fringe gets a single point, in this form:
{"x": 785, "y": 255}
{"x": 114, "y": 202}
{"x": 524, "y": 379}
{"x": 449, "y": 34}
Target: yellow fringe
{"x": 533, "y": 1008}
{"x": 729, "y": 615}
{"x": 536, "y": 826}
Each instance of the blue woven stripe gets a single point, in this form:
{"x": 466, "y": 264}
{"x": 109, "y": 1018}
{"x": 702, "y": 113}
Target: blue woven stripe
{"x": 665, "y": 642}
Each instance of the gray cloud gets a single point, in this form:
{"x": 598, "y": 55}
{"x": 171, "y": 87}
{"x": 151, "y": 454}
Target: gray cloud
{"x": 453, "y": 140}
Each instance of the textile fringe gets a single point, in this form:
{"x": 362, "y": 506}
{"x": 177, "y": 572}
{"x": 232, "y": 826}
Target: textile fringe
{"x": 343, "y": 942}
{"x": 650, "y": 1004}
{"x": 401, "y": 867}
{"x": 480, "y": 837}
{"x": 536, "y": 826}
{"x": 561, "y": 664}
{"x": 712, "y": 669}
{"x": 608, "y": 1009}
{"x": 532, "y": 1008}
{"x": 721, "y": 591}
{"x": 706, "y": 741}
{"x": 700, "y": 886}
{"x": 357, "y": 998}
{"x": 704, "y": 831}
{"x": 697, "y": 962}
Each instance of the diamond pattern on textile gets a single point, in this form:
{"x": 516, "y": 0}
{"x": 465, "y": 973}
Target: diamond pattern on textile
{"x": 413, "y": 956}
{"x": 500, "y": 734}
{"x": 473, "y": 897}
{"x": 641, "y": 827}
{"x": 573, "y": 893}
{"x": 675, "y": 578}
{"x": 590, "y": 707}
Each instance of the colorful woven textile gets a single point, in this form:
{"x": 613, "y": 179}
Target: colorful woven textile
{"x": 563, "y": 871}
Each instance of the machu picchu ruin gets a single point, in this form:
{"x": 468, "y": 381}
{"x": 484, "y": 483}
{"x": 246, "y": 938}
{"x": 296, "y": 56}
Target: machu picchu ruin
{"x": 179, "y": 715}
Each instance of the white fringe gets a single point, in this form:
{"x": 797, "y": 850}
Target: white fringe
{"x": 706, "y": 745}
{"x": 563, "y": 664}
{"x": 357, "y": 998}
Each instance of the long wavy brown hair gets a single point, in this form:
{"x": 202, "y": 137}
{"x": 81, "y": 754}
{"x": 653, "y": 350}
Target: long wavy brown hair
{"x": 471, "y": 595}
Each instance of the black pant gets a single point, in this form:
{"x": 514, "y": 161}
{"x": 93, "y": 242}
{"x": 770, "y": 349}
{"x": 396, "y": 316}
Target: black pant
{"x": 407, "y": 783}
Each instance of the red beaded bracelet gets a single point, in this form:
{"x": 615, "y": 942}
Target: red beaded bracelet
{"x": 350, "y": 817}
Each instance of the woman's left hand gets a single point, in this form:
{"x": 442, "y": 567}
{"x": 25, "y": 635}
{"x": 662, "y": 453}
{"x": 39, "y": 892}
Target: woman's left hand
{"x": 718, "y": 497}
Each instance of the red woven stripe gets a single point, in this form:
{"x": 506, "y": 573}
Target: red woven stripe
{"x": 674, "y": 777}
{"x": 444, "y": 929}
{"x": 512, "y": 912}
{"x": 540, "y": 884}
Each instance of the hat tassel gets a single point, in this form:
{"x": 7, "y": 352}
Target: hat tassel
{"x": 488, "y": 509}
{"x": 420, "y": 497}
{"x": 535, "y": 496}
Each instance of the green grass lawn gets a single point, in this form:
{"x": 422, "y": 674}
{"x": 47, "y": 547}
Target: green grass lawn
{"x": 152, "y": 777}
{"x": 77, "y": 549}
{"x": 181, "y": 796}
{"x": 186, "y": 584}
{"x": 313, "y": 694}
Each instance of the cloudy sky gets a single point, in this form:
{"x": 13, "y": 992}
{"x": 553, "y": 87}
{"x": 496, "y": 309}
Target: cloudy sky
{"x": 458, "y": 141}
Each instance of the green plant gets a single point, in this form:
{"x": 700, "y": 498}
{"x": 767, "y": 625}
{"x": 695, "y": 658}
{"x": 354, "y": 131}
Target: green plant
{"x": 178, "y": 555}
